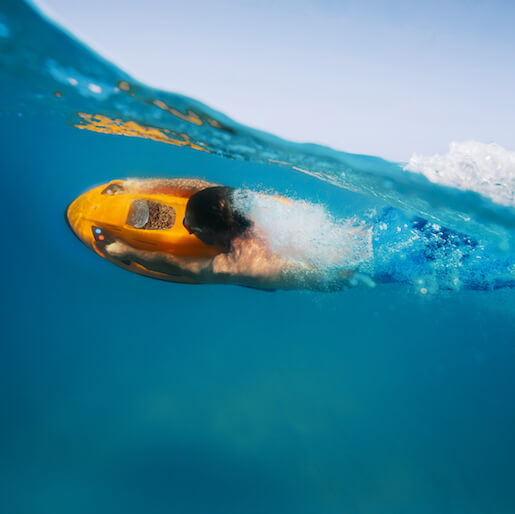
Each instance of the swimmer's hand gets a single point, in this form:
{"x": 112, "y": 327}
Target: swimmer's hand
{"x": 118, "y": 250}
{"x": 127, "y": 254}
{"x": 157, "y": 261}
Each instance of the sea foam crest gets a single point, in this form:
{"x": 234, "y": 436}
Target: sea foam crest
{"x": 487, "y": 169}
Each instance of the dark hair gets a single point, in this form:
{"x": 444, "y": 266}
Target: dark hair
{"x": 211, "y": 216}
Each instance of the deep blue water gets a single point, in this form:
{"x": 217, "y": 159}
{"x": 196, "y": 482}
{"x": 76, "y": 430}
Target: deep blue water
{"x": 123, "y": 394}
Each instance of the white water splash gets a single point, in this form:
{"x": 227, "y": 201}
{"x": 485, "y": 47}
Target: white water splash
{"x": 307, "y": 233}
{"x": 487, "y": 169}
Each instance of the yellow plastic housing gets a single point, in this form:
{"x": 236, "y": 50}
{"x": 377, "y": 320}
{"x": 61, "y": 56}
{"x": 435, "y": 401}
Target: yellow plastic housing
{"x": 98, "y": 218}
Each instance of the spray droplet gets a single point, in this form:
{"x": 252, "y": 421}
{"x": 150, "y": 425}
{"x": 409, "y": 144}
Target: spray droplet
{"x": 94, "y": 88}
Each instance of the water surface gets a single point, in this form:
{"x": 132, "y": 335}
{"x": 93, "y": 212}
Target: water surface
{"x": 125, "y": 394}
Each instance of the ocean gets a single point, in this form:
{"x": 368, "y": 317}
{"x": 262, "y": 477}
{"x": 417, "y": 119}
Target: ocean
{"x": 120, "y": 393}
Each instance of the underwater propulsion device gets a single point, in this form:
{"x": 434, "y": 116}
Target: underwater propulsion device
{"x": 147, "y": 220}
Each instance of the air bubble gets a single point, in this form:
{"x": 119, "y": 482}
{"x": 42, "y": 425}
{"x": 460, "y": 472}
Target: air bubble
{"x": 94, "y": 88}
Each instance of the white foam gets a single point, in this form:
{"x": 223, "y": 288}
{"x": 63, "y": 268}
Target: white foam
{"x": 307, "y": 233}
{"x": 487, "y": 169}
{"x": 95, "y": 88}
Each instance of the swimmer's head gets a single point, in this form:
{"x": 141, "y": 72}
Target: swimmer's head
{"x": 211, "y": 216}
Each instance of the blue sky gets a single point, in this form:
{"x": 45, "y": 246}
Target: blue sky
{"x": 378, "y": 77}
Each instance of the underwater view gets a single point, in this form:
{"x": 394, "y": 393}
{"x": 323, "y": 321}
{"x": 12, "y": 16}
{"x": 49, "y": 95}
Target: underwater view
{"x": 363, "y": 362}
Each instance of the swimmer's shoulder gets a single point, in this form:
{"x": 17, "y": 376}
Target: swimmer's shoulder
{"x": 183, "y": 187}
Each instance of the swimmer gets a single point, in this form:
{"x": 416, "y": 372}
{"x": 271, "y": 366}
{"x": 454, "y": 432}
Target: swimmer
{"x": 192, "y": 231}
{"x": 188, "y": 230}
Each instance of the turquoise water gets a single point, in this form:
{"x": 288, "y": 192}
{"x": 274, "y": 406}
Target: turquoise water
{"x": 125, "y": 394}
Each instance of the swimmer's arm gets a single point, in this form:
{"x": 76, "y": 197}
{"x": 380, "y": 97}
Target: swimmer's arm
{"x": 160, "y": 262}
{"x": 250, "y": 263}
{"x": 184, "y": 187}
{"x": 242, "y": 268}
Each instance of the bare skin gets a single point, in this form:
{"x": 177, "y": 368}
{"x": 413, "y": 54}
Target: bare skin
{"x": 177, "y": 186}
{"x": 250, "y": 262}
